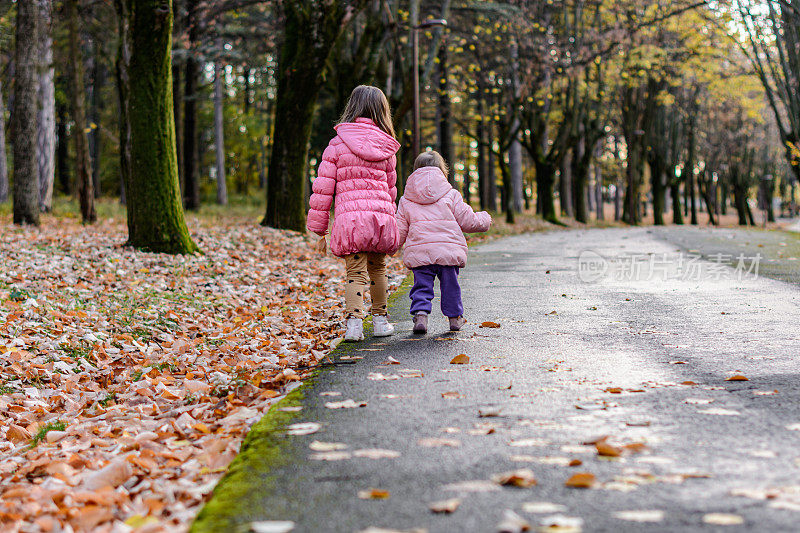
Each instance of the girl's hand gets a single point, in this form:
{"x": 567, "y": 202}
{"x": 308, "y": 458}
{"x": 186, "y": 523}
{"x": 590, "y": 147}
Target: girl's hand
{"x": 322, "y": 246}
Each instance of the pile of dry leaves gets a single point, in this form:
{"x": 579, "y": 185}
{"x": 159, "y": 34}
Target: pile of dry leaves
{"x": 128, "y": 379}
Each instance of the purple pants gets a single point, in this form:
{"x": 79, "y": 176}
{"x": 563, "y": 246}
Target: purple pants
{"x": 422, "y": 291}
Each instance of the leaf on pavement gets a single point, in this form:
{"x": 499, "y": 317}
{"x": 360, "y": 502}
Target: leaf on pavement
{"x": 345, "y": 404}
{"x": 373, "y": 494}
{"x": 452, "y": 395}
{"x": 272, "y": 526}
{"x": 723, "y": 519}
{"x": 445, "y": 506}
{"x": 303, "y": 428}
{"x": 488, "y": 412}
{"x": 490, "y": 325}
{"x": 737, "y": 377}
{"x": 581, "y": 480}
{"x": 319, "y": 446}
{"x": 521, "y": 478}
{"x": 376, "y": 453}
{"x": 607, "y": 450}
{"x": 649, "y": 515}
{"x": 435, "y": 442}
{"x": 512, "y": 523}
{"x": 461, "y": 359}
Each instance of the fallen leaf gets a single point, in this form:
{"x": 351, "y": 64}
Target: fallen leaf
{"x": 392, "y": 361}
{"x": 723, "y": 519}
{"x": 512, "y": 523}
{"x": 581, "y": 480}
{"x": 319, "y": 446}
{"x": 607, "y": 450}
{"x": 737, "y": 377}
{"x": 330, "y": 456}
{"x": 640, "y": 516}
{"x": 303, "y": 428}
{"x": 561, "y": 523}
{"x": 521, "y": 478}
{"x": 718, "y": 411}
{"x": 438, "y": 442}
{"x": 376, "y": 453}
{"x": 272, "y": 526}
{"x": 614, "y": 390}
{"x": 490, "y": 325}
{"x": 543, "y": 507}
{"x": 373, "y": 494}
{"x": 112, "y": 475}
{"x": 345, "y": 404}
{"x": 488, "y": 412}
{"x": 698, "y": 401}
{"x": 452, "y": 395}
{"x": 461, "y": 359}
{"x": 445, "y": 506}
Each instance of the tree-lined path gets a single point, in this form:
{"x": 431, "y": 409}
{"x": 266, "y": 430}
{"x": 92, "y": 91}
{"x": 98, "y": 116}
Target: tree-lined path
{"x": 644, "y": 362}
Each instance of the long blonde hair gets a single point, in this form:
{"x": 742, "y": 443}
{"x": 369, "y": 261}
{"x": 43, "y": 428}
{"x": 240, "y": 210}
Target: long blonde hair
{"x": 369, "y": 102}
{"x": 431, "y": 158}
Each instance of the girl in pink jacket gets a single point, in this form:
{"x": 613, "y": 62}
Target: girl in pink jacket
{"x": 431, "y": 219}
{"x": 357, "y": 175}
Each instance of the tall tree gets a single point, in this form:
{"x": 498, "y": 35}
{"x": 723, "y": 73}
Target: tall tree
{"x": 3, "y": 158}
{"x": 26, "y": 88}
{"x": 46, "y": 134}
{"x": 155, "y": 212}
{"x": 191, "y": 172}
{"x": 310, "y": 28}
{"x": 219, "y": 134}
{"x": 83, "y": 161}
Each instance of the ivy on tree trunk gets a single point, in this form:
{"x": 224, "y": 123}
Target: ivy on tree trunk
{"x": 155, "y": 212}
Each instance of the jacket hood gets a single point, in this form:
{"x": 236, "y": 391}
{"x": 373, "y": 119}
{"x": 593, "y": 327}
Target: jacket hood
{"x": 426, "y": 185}
{"x": 366, "y": 140}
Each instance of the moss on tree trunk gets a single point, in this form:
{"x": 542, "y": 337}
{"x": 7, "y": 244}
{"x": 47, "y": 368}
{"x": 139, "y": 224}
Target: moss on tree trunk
{"x": 155, "y": 213}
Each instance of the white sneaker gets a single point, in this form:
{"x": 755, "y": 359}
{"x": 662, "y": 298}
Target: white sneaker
{"x": 355, "y": 330}
{"x": 381, "y": 326}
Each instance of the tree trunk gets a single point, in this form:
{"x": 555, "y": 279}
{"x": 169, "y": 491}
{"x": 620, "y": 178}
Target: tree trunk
{"x": 690, "y": 182}
{"x": 310, "y": 30}
{"x": 26, "y": 87}
{"x": 483, "y": 169}
{"x": 46, "y": 134}
{"x": 677, "y": 212}
{"x": 445, "y": 116}
{"x": 508, "y": 192}
{"x": 659, "y": 189}
{"x": 565, "y": 185}
{"x": 62, "y": 149}
{"x": 83, "y": 163}
{"x": 545, "y": 183}
{"x": 219, "y": 136}
{"x": 98, "y": 82}
{"x": 581, "y": 160}
{"x": 155, "y": 215}
{"x": 3, "y": 157}
{"x": 598, "y": 191}
{"x": 191, "y": 176}
{"x": 177, "y": 111}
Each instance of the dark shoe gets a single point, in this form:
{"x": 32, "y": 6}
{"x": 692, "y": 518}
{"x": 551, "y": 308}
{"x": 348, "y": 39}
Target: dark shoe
{"x": 456, "y": 323}
{"x": 421, "y": 324}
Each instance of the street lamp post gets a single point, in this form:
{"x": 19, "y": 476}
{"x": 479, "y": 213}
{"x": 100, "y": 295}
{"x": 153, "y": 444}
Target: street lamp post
{"x": 415, "y": 53}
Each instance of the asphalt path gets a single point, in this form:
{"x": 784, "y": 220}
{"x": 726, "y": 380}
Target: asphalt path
{"x": 583, "y": 315}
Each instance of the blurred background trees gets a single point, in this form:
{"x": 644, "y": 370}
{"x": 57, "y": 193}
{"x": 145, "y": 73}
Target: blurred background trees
{"x": 635, "y": 110}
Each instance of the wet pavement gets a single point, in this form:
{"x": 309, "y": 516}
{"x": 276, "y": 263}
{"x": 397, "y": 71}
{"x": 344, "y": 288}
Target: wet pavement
{"x": 623, "y": 333}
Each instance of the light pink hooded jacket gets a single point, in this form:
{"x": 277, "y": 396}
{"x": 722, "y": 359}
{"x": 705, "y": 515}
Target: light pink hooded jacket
{"x": 432, "y": 218}
{"x": 358, "y": 168}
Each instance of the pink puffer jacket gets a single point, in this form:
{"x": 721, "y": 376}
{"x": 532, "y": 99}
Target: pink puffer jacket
{"x": 431, "y": 219}
{"x": 358, "y": 167}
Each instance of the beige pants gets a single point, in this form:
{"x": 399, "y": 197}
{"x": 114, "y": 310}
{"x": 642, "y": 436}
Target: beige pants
{"x": 361, "y": 269}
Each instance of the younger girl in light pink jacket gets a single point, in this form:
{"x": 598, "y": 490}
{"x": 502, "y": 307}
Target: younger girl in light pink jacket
{"x": 431, "y": 219}
{"x": 357, "y": 176}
